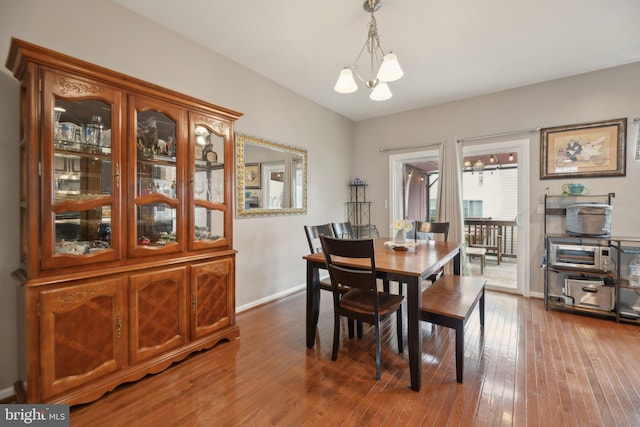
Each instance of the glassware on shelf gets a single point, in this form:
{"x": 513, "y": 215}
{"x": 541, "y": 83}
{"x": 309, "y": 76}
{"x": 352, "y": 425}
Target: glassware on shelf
{"x": 57, "y": 131}
{"x": 199, "y": 188}
{"x": 93, "y": 131}
{"x": 68, "y": 132}
{"x": 217, "y": 190}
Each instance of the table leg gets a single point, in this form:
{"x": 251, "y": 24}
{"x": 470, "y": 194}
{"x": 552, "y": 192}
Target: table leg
{"x": 313, "y": 303}
{"x": 414, "y": 303}
{"x": 482, "y": 310}
{"x": 456, "y": 264}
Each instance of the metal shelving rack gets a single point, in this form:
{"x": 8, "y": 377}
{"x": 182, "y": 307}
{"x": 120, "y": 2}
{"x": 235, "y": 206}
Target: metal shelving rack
{"x": 359, "y": 211}
{"x": 622, "y": 248}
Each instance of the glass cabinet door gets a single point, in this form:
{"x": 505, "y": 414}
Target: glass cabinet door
{"x": 209, "y": 214}
{"x": 81, "y": 171}
{"x": 156, "y": 177}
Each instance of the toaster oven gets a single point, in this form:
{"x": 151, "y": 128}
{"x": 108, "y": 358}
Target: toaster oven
{"x": 583, "y": 257}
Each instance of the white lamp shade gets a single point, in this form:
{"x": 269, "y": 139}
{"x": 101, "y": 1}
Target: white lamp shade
{"x": 381, "y": 92}
{"x": 390, "y": 70}
{"x": 345, "y": 83}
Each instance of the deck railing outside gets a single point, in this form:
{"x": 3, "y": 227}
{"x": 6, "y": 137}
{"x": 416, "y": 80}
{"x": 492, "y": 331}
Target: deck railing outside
{"x": 498, "y": 236}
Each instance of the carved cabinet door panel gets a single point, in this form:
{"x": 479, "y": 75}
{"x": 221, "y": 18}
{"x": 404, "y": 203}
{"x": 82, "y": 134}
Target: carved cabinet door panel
{"x": 81, "y": 171}
{"x": 83, "y": 334}
{"x": 212, "y": 296}
{"x": 157, "y": 312}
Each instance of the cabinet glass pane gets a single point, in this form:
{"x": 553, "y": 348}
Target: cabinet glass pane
{"x": 156, "y": 224}
{"x": 156, "y": 178}
{"x": 209, "y": 224}
{"x": 83, "y": 232}
{"x": 156, "y": 151}
{"x": 156, "y": 136}
{"x": 82, "y": 126}
{"x": 78, "y": 176}
{"x": 82, "y": 173}
{"x": 208, "y": 185}
{"x": 82, "y": 149}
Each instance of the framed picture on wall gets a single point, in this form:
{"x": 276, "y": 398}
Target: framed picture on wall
{"x": 252, "y": 172}
{"x": 596, "y": 149}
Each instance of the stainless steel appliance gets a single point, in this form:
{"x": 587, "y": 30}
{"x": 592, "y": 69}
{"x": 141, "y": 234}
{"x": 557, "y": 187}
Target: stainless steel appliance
{"x": 584, "y": 257}
{"x": 589, "y": 293}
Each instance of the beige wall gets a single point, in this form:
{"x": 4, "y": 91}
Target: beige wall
{"x": 608, "y": 94}
{"x": 270, "y": 249}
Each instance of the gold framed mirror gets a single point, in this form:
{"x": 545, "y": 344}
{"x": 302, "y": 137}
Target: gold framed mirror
{"x": 271, "y": 178}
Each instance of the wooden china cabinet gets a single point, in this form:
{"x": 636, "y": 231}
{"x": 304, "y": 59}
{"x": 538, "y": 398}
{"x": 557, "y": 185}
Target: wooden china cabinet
{"x": 127, "y": 262}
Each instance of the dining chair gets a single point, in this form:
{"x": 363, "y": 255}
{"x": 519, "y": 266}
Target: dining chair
{"x": 362, "y": 301}
{"x": 313, "y": 233}
{"x": 342, "y": 230}
{"x": 489, "y": 237}
{"x": 429, "y": 229}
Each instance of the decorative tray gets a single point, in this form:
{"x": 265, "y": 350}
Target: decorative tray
{"x": 400, "y": 246}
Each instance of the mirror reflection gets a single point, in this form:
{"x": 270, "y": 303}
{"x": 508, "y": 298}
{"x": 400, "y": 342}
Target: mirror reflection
{"x": 271, "y": 178}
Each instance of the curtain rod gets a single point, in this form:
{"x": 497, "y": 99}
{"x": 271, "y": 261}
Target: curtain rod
{"x": 474, "y": 138}
{"x": 495, "y": 135}
{"x": 382, "y": 150}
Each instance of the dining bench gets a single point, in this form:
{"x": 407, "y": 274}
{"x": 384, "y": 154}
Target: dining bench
{"x": 449, "y": 302}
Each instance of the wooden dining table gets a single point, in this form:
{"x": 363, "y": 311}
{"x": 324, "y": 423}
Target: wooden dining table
{"x": 410, "y": 267}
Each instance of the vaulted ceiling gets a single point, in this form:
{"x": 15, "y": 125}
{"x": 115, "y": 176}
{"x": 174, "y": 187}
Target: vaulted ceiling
{"x": 449, "y": 50}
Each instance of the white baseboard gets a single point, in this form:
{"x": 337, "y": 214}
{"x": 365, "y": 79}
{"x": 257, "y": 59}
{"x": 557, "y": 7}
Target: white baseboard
{"x": 299, "y": 288}
{"x": 6, "y": 392}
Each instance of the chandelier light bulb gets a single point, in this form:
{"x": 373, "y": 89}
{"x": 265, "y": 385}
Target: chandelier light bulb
{"x": 390, "y": 69}
{"x": 346, "y": 82}
{"x": 381, "y": 92}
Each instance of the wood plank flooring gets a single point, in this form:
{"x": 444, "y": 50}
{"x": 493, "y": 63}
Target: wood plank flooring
{"x": 528, "y": 368}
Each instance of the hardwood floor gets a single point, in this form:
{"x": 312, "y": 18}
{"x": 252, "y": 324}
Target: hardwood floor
{"x": 528, "y": 368}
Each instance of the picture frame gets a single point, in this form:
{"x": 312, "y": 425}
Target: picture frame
{"x": 596, "y": 149}
{"x": 253, "y": 175}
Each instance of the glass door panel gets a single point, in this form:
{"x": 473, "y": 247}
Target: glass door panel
{"x": 208, "y": 224}
{"x": 84, "y": 130}
{"x": 156, "y": 224}
{"x": 83, "y": 170}
{"x": 83, "y": 232}
{"x": 209, "y": 195}
{"x": 156, "y": 190}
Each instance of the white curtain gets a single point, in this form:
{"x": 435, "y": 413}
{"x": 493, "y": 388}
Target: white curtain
{"x": 449, "y": 207}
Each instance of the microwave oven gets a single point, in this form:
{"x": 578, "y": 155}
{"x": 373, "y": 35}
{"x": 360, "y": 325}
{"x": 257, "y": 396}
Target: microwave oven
{"x": 583, "y": 257}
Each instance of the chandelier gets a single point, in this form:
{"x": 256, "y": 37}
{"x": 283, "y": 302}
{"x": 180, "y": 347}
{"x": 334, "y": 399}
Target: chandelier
{"x": 388, "y": 67}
